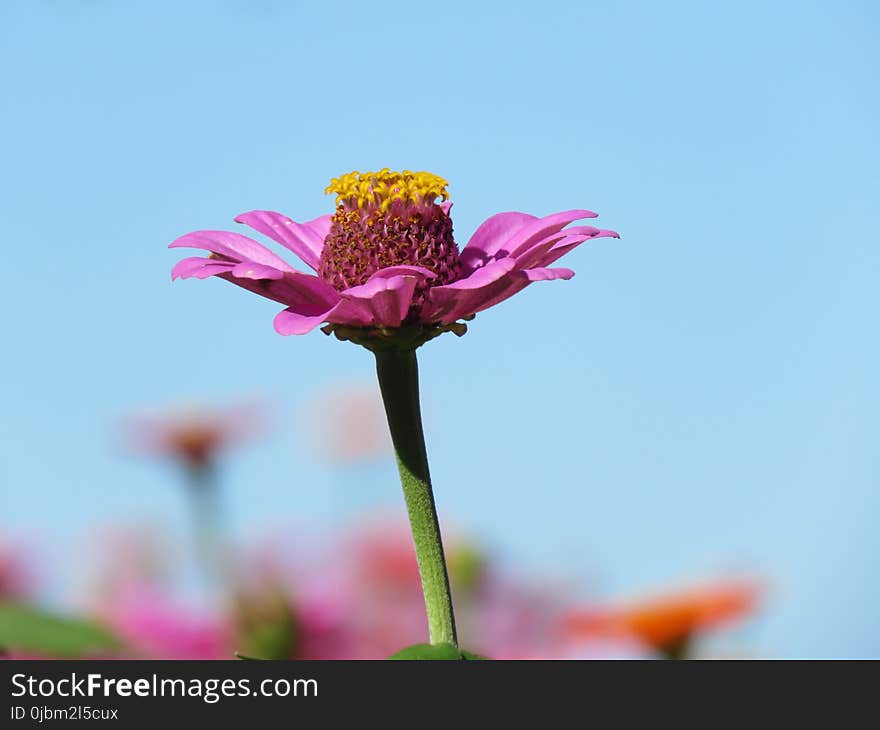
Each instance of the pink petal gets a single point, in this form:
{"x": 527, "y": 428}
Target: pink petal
{"x": 504, "y": 288}
{"x": 515, "y": 283}
{"x": 495, "y": 293}
{"x": 566, "y": 244}
{"x": 304, "y": 316}
{"x": 233, "y": 245}
{"x": 486, "y": 287}
{"x": 306, "y": 240}
{"x": 387, "y": 300}
{"x": 513, "y": 234}
{"x": 452, "y": 301}
{"x": 527, "y": 258}
{"x": 487, "y": 274}
{"x": 404, "y": 270}
{"x": 250, "y": 270}
{"x": 293, "y": 322}
{"x": 200, "y": 268}
{"x": 491, "y": 236}
{"x": 539, "y": 230}
{"x": 353, "y": 312}
{"x": 587, "y": 231}
{"x": 305, "y": 292}
{"x": 542, "y": 274}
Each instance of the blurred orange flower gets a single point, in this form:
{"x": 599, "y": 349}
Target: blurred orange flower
{"x": 667, "y": 623}
{"x": 194, "y": 435}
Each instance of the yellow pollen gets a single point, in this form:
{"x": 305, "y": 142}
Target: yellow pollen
{"x": 360, "y": 189}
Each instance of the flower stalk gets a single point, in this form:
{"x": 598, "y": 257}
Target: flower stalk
{"x": 208, "y": 528}
{"x": 398, "y": 374}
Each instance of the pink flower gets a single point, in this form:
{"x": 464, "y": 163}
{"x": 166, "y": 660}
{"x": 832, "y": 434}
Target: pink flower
{"x": 194, "y": 436}
{"x": 386, "y": 259}
{"x": 16, "y": 576}
{"x": 346, "y": 424}
{"x": 155, "y": 627}
{"x": 368, "y": 603}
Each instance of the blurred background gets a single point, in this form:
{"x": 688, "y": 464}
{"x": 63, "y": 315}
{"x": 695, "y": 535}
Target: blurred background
{"x": 700, "y": 402}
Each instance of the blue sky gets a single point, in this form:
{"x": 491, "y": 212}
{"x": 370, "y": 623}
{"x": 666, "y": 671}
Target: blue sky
{"x": 702, "y": 396}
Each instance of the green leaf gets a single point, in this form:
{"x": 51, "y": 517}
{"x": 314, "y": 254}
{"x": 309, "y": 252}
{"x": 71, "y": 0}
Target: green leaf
{"x": 33, "y": 631}
{"x": 441, "y": 652}
{"x": 469, "y": 655}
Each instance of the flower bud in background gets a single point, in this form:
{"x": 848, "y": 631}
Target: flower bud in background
{"x": 264, "y": 617}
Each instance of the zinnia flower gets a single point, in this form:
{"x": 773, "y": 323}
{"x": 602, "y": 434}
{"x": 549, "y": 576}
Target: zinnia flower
{"x": 386, "y": 259}
{"x": 668, "y": 623}
{"x": 389, "y": 276}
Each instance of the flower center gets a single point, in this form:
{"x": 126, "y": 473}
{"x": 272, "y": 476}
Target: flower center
{"x": 369, "y": 189}
{"x": 388, "y": 219}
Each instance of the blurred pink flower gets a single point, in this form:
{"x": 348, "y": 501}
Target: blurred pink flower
{"x": 371, "y": 601}
{"x": 387, "y": 258}
{"x": 346, "y": 423}
{"x": 194, "y": 436}
{"x": 154, "y": 626}
{"x": 129, "y": 557}
{"x": 16, "y": 573}
{"x": 358, "y": 599}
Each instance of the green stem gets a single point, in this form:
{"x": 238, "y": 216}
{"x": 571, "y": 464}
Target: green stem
{"x": 678, "y": 649}
{"x": 398, "y": 373}
{"x": 208, "y": 530}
